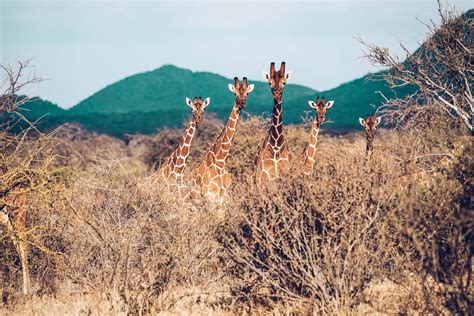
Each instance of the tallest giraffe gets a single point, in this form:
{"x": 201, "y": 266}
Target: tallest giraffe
{"x": 273, "y": 156}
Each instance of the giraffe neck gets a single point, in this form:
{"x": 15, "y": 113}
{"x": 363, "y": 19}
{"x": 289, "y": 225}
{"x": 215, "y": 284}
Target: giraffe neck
{"x": 224, "y": 141}
{"x": 370, "y": 140}
{"x": 182, "y": 151}
{"x": 276, "y": 130}
{"x": 309, "y": 151}
{"x": 369, "y": 147}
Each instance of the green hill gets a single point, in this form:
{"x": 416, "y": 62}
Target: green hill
{"x": 353, "y": 99}
{"x": 37, "y": 108}
{"x": 42, "y": 113}
{"x": 166, "y": 88}
{"x": 147, "y": 101}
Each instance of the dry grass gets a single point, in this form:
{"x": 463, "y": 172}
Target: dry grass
{"x": 345, "y": 239}
{"x": 393, "y": 235}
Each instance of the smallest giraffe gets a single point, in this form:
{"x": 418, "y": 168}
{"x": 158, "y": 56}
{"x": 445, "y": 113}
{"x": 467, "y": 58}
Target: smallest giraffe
{"x": 171, "y": 171}
{"x": 308, "y": 156}
{"x": 370, "y": 124}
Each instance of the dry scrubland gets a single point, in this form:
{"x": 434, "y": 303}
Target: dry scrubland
{"x": 351, "y": 238}
{"x": 391, "y": 236}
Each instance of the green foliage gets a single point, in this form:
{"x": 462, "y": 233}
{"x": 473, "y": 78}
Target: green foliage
{"x": 145, "y": 102}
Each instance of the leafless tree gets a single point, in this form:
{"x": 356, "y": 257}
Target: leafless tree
{"x": 442, "y": 69}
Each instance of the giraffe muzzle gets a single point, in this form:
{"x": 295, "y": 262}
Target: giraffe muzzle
{"x": 277, "y": 93}
{"x": 241, "y": 103}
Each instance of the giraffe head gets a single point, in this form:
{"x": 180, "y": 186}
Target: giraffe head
{"x": 321, "y": 107}
{"x": 370, "y": 124}
{"x": 241, "y": 90}
{"x": 198, "y": 105}
{"x": 277, "y": 79}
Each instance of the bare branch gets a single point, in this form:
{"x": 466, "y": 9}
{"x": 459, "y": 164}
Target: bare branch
{"x": 442, "y": 68}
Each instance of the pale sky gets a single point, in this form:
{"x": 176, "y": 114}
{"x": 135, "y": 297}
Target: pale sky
{"x": 83, "y": 46}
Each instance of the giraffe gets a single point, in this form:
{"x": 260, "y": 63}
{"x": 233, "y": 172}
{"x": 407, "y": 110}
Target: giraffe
{"x": 370, "y": 124}
{"x": 171, "y": 171}
{"x": 273, "y": 157}
{"x": 307, "y": 157}
{"x": 13, "y": 218}
{"x": 210, "y": 178}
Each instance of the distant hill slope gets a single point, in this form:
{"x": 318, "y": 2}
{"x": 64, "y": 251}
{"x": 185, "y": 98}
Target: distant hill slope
{"x": 165, "y": 89}
{"x": 353, "y": 99}
{"x": 42, "y": 113}
{"x": 37, "y": 107}
{"x": 147, "y": 101}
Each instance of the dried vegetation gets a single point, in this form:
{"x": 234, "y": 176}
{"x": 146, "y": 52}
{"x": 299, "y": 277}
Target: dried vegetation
{"x": 393, "y": 235}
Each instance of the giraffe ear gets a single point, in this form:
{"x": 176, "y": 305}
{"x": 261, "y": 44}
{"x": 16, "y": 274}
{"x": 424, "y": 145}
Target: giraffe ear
{"x": 231, "y": 88}
{"x": 288, "y": 75}
{"x": 266, "y": 76}
{"x": 378, "y": 120}
{"x": 361, "y": 121}
{"x": 206, "y": 103}
{"x": 250, "y": 88}
{"x": 329, "y": 104}
{"x": 312, "y": 104}
{"x": 189, "y": 103}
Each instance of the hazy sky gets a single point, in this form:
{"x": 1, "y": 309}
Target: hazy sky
{"x": 82, "y": 46}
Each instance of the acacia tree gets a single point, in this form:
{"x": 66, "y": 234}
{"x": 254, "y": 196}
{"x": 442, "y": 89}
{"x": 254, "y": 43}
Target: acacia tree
{"x": 442, "y": 69}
